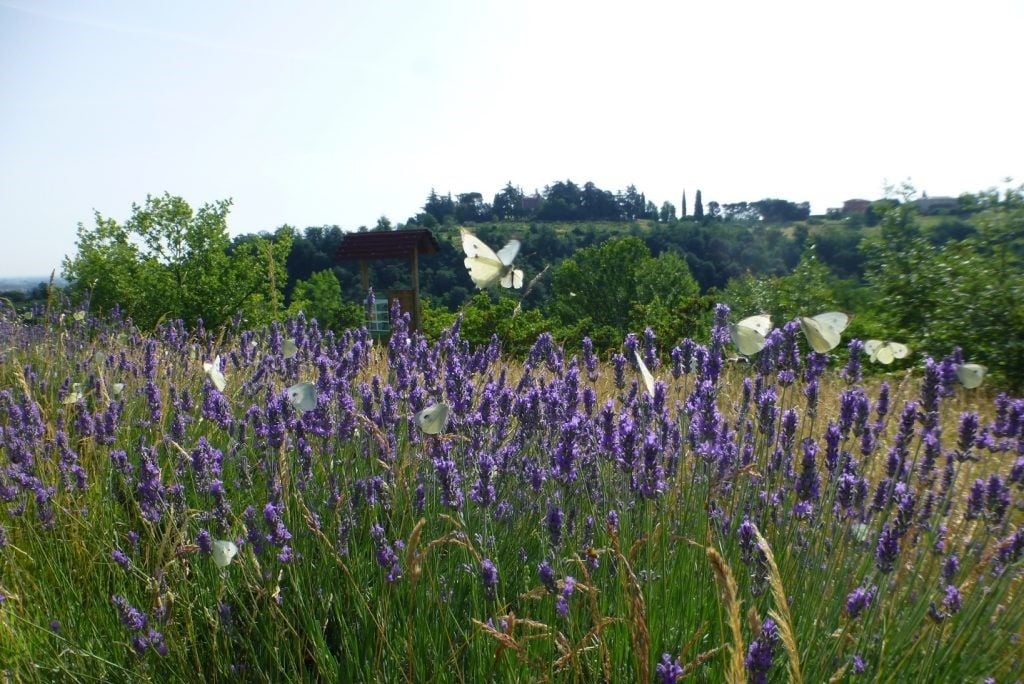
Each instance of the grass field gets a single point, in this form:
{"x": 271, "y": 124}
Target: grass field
{"x": 774, "y": 521}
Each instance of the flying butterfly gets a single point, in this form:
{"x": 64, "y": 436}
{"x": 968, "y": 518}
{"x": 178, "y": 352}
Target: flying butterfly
{"x": 885, "y": 352}
{"x": 216, "y": 377}
{"x": 644, "y": 373}
{"x": 823, "y": 331}
{"x": 302, "y": 396}
{"x": 223, "y": 552}
{"x": 432, "y": 419}
{"x": 748, "y": 335}
{"x": 487, "y": 268}
{"x": 970, "y": 375}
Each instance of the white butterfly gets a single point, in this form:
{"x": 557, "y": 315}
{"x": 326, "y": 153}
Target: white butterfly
{"x": 822, "y": 331}
{"x": 885, "y": 352}
{"x": 748, "y": 335}
{"x": 432, "y": 419}
{"x": 216, "y": 377}
{"x": 289, "y": 348}
{"x": 970, "y": 374}
{"x": 302, "y": 396}
{"x": 644, "y": 373}
{"x": 223, "y": 552}
{"x": 75, "y": 395}
{"x": 487, "y": 268}
{"x": 117, "y": 388}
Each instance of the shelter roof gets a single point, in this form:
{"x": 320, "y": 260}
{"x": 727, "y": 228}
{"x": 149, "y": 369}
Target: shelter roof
{"x": 387, "y": 244}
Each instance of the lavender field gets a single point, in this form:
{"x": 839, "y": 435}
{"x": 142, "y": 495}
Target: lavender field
{"x": 782, "y": 520}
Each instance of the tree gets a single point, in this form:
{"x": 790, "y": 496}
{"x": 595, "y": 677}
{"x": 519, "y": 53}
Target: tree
{"x": 698, "y": 207}
{"x": 439, "y": 207}
{"x": 668, "y": 212}
{"x": 607, "y": 290}
{"x": 320, "y": 298}
{"x": 967, "y": 293}
{"x": 682, "y": 209}
{"x": 508, "y": 204}
{"x": 169, "y": 261}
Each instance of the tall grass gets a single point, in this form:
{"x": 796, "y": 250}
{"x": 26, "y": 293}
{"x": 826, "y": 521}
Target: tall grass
{"x": 565, "y": 526}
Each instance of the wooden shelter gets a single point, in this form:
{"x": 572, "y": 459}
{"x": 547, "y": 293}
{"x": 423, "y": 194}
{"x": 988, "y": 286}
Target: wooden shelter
{"x": 391, "y": 244}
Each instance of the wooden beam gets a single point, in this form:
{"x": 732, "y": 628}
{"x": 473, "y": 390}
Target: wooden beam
{"x": 415, "y": 289}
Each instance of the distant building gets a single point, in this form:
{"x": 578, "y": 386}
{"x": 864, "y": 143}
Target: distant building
{"x": 856, "y": 206}
{"x": 936, "y": 205}
{"x": 531, "y": 203}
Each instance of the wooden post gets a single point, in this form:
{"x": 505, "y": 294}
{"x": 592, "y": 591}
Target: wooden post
{"x": 364, "y": 273}
{"x": 415, "y": 288}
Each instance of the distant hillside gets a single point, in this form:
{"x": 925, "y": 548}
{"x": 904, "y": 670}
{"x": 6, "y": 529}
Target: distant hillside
{"x": 26, "y": 283}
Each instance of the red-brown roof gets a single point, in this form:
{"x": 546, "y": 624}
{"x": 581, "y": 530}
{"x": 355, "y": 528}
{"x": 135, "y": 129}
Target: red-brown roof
{"x": 387, "y": 244}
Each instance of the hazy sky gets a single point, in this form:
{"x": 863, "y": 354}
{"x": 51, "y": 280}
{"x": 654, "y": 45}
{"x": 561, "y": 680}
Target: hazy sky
{"x": 337, "y": 112}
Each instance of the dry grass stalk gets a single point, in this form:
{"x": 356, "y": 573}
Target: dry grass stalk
{"x": 781, "y": 613}
{"x": 639, "y": 634}
{"x": 735, "y": 672}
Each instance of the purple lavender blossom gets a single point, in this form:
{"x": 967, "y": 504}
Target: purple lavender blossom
{"x": 859, "y": 599}
{"x": 489, "y": 577}
{"x": 760, "y": 653}
{"x": 669, "y": 671}
{"x": 952, "y": 601}
{"x": 852, "y": 371}
{"x": 887, "y": 550}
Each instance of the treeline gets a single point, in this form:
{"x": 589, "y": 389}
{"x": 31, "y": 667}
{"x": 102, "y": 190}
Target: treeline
{"x": 567, "y": 201}
{"x": 714, "y": 253}
{"x": 933, "y": 283}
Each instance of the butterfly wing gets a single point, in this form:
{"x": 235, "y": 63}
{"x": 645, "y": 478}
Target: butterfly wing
{"x": 899, "y": 351}
{"x": 223, "y": 552}
{"x": 748, "y": 340}
{"x": 507, "y": 254}
{"x": 485, "y": 268}
{"x": 822, "y": 338}
{"x": 302, "y": 396}
{"x": 432, "y": 419}
{"x": 837, "y": 320}
{"x": 216, "y": 377}
{"x": 884, "y": 354}
{"x": 513, "y": 279}
{"x": 871, "y": 348}
{"x": 645, "y": 374}
{"x": 289, "y": 348}
{"x": 762, "y": 323}
{"x": 970, "y": 374}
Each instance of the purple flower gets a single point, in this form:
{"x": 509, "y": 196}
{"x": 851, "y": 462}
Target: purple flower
{"x": 760, "y": 652}
{"x": 887, "y": 549}
{"x": 131, "y": 617}
{"x": 852, "y": 372}
{"x": 489, "y": 577}
{"x": 976, "y": 500}
{"x": 547, "y": 577}
{"x": 669, "y": 671}
{"x": 952, "y": 600}
{"x": 859, "y": 599}
{"x": 562, "y": 604}
{"x": 120, "y": 558}
{"x": 554, "y": 524}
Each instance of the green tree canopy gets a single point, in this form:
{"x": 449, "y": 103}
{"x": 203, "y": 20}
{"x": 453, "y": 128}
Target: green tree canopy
{"x": 168, "y": 261}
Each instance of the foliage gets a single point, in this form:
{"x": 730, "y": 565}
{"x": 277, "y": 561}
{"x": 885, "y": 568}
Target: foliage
{"x": 967, "y": 293}
{"x": 168, "y": 261}
{"x": 611, "y": 289}
{"x": 320, "y": 298}
{"x": 807, "y": 291}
